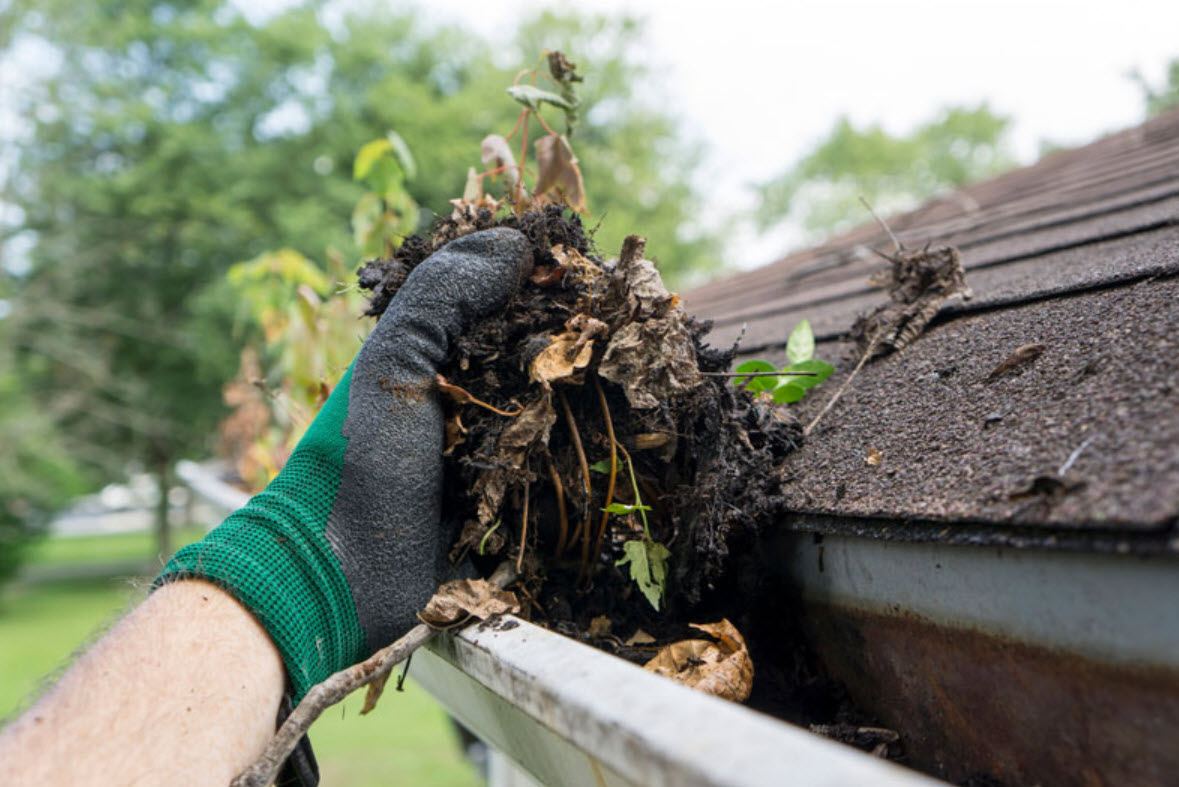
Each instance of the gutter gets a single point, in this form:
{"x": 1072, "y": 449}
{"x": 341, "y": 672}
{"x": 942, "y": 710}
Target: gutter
{"x": 567, "y": 714}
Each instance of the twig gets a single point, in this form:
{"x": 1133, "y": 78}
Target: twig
{"x": 610, "y": 486}
{"x": 897, "y": 247}
{"x": 559, "y": 488}
{"x": 575, "y": 435}
{"x": 1073, "y": 457}
{"x": 835, "y": 398}
{"x": 334, "y": 689}
{"x": 523, "y": 530}
{"x": 760, "y": 374}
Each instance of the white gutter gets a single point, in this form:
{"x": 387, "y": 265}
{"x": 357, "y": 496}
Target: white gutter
{"x": 570, "y": 715}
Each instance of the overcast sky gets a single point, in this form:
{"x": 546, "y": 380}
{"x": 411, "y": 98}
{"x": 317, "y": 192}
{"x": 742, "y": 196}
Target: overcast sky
{"x": 761, "y": 82}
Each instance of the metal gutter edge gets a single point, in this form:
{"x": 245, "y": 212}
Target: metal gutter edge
{"x": 571, "y": 715}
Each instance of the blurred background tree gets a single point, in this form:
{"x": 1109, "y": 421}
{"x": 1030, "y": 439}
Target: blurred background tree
{"x": 821, "y": 191}
{"x": 166, "y": 142}
{"x": 1159, "y": 98}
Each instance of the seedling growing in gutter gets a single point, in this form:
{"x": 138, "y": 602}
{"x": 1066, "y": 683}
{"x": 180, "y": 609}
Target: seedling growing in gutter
{"x": 791, "y": 382}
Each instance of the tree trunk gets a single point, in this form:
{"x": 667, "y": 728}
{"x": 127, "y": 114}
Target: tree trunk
{"x": 163, "y": 531}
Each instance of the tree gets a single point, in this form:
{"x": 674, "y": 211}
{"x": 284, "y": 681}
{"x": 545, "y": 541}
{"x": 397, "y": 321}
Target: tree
{"x": 1163, "y": 97}
{"x": 170, "y": 141}
{"x": 893, "y": 173}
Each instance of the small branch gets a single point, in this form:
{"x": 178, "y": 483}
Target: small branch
{"x": 322, "y": 696}
{"x": 523, "y": 530}
{"x": 575, "y": 435}
{"x": 896, "y": 243}
{"x": 760, "y": 374}
{"x": 835, "y": 398}
{"x": 563, "y": 518}
{"x": 335, "y": 688}
{"x": 585, "y": 558}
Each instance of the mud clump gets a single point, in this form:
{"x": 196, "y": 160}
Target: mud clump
{"x": 594, "y": 388}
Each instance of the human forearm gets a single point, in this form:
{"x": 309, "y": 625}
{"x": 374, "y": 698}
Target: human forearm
{"x": 184, "y": 690}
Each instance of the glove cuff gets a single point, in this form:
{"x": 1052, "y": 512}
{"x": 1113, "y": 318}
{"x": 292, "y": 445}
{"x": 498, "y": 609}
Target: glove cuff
{"x": 273, "y": 556}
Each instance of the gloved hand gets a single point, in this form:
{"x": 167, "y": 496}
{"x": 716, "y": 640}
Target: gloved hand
{"x": 344, "y": 546}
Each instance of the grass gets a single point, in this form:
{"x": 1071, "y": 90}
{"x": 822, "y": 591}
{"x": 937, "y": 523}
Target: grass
{"x": 120, "y": 547}
{"x": 406, "y": 740}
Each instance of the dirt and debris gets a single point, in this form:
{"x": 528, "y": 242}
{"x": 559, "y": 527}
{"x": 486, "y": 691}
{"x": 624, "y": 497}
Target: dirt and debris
{"x": 592, "y": 390}
{"x": 594, "y": 371}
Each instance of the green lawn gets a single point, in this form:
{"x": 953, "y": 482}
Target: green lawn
{"x": 119, "y": 548}
{"x": 406, "y": 740}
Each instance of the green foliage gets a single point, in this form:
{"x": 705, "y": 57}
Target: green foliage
{"x": 646, "y": 556}
{"x": 791, "y": 382}
{"x": 1160, "y": 98}
{"x": 648, "y": 567}
{"x": 822, "y": 191}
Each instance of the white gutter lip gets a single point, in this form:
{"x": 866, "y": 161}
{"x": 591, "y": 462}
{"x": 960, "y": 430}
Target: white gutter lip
{"x": 632, "y": 726}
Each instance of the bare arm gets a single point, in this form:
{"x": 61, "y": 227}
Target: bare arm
{"x": 184, "y": 690}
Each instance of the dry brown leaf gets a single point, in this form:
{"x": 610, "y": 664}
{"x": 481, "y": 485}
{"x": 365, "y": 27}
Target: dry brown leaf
{"x": 639, "y": 638}
{"x": 458, "y": 601}
{"x": 874, "y": 457}
{"x": 721, "y": 668}
{"x": 562, "y": 361}
{"x": 600, "y": 626}
{"x": 497, "y": 154}
{"x": 456, "y": 433}
{"x": 652, "y": 361}
{"x": 374, "y": 692}
{"x": 527, "y": 431}
{"x": 558, "y": 171}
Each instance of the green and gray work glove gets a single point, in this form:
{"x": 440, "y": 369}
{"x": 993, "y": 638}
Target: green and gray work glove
{"x": 344, "y": 546}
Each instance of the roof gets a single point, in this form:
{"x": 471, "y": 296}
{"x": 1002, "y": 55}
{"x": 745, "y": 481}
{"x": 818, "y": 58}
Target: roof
{"x": 1078, "y": 253}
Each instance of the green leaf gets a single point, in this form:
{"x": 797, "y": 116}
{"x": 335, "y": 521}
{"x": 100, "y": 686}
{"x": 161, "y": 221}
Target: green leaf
{"x": 801, "y": 344}
{"x": 487, "y": 535}
{"x": 532, "y": 97}
{"x": 624, "y": 508}
{"x": 820, "y": 369}
{"x": 368, "y": 155}
{"x": 787, "y": 392}
{"x": 601, "y": 467}
{"x": 404, "y": 156}
{"x": 756, "y": 383}
{"x": 648, "y": 567}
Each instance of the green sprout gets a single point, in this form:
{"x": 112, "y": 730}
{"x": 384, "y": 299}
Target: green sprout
{"x": 791, "y": 382}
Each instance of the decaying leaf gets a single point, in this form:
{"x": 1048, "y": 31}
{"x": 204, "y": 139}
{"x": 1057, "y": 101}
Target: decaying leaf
{"x": 526, "y": 432}
{"x": 652, "y": 361}
{"x": 558, "y": 171}
{"x": 722, "y": 668}
{"x": 458, "y": 601}
{"x": 498, "y": 155}
{"x": 1018, "y": 359}
{"x": 456, "y": 433}
{"x": 561, "y": 361}
{"x": 919, "y": 282}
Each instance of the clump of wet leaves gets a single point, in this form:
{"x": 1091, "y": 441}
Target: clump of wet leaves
{"x": 586, "y": 439}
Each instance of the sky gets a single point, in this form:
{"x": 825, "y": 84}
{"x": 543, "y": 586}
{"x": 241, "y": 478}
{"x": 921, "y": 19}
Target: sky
{"x": 762, "y": 82}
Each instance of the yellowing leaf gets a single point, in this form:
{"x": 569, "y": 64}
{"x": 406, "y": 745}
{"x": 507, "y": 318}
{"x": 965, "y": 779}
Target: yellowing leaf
{"x": 722, "y": 668}
{"x": 368, "y": 156}
{"x": 558, "y": 171}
